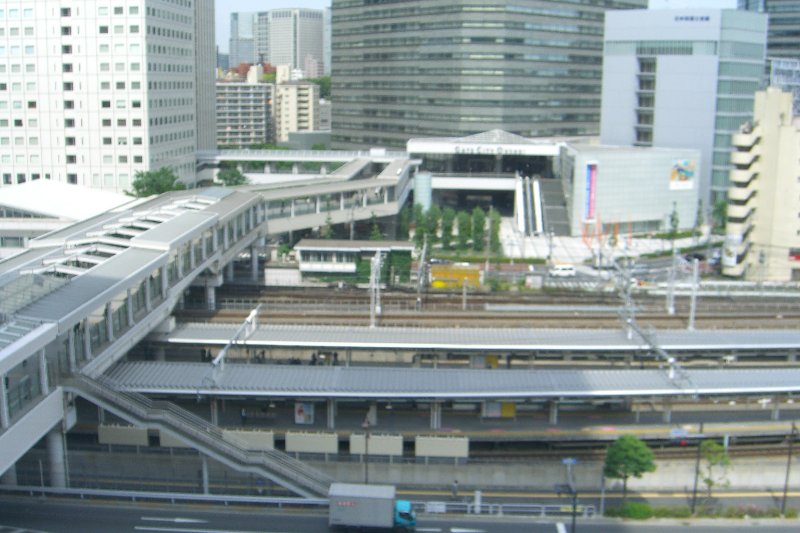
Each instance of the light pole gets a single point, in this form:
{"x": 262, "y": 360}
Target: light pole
{"x": 788, "y": 469}
{"x": 365, "y": 425}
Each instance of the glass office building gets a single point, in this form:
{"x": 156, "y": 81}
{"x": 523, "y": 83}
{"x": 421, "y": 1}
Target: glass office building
{"x": 451, "y": 68}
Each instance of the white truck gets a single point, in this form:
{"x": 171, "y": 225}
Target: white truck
{"x": 368, "y": 507}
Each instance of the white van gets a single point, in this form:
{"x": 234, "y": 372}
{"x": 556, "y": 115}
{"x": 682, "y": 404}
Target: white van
{"x": 562, "y": 271}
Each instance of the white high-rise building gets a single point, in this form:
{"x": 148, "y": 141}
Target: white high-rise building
{"x": 291, "y": 37}
{"x": 92, "y": 92}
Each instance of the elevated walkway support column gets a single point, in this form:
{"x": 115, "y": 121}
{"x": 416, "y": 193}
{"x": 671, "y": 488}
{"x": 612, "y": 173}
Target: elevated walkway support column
{"x": 554, "y": 412}
{"x": 331, "y": 413}
{"x": 666, "y": 416}
{"x": 211, "y": 297}
{"x": 214, "y": 411}
{"x": 204, "y": 474}
{"x": 254, "y": 262}
{"x": 776, "y": 409}
{"x": 55, "y": 452}
{"x": 43, "y": 380}
{"x": 229, "y": 271}
{"x": 5, "y": 417}
{"x": 436, "y": 414}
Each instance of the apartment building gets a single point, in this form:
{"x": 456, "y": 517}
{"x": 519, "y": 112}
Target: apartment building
{"x": 93, "y": 91}
{"x": 763, "y": 220}
{"x": 295, "y": 108}
{"x": 244, "y": 111}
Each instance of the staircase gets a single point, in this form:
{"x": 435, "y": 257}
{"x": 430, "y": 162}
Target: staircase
{"x": 554, "y": 207}
{"x": 207, "y": 438}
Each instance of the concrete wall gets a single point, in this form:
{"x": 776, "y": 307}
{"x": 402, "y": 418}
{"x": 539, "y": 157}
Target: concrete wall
{"x": 128, "y": 435}
{"x": 168, "y": 441}
{"x": 252, "y": 440}
{"x": 378, "y": 444}
{"x": 312, "y": 442}
{"x": 441, "y": 446}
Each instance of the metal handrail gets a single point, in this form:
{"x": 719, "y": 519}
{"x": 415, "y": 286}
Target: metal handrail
{"x": 199, "y": 430}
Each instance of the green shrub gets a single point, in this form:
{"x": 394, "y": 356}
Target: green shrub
{"x": 632, "y": 510}
{"x": 672, "y": 512}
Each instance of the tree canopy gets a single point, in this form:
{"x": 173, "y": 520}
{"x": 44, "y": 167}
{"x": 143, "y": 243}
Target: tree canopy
{"x": 324, "y": 83}
{"x": 231, "y": 177}
{"x": 150, "y": 182}
{"x": 628, "y": 456}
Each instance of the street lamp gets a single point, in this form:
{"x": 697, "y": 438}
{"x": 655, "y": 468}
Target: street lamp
{"x": 365, "y": 425}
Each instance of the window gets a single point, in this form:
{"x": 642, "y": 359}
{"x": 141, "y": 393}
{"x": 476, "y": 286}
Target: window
{"x": 3, "y": 86}
{"x": 66, "y": 49}
{"x": 3, "y": 122}
{"x": 119, "y": 28}
{"x": 72, "y": 159}
{"x": 6, "y": 179}
{"x": 66, "y": 30}
{"x": 33, "y": 141}
{"x": 137, "y": 159}
{"x": 106, "y": 122}
{"x": 122, "y": 141}
{"x": 121, "y": 122}
{"x": 104, "y": 49}
{"x": 120, "y": 85}
{"x": 105, "y": 85}
{"x": 133, "y": 10}
{"x": 69, "y": 104}
{"x": 35, "y": 176}
{"x": 33, "y": 123}
{"x": 68, "y": 86}
{"x": 136, "y": 85}
{"x": 103, "y": 29}
{"x": 19, "y": 141}
{"x": 137, "y": 140}
{"x": 123, "y": 159}
{"x": 106, "y": 140}
{"x": 69, "y": 122}
{"x": 137, "y": 122}
{"x": 134, "y": 28}
{"x": 119, "y": 67}
{"x": 105, "y": 104}
{"x": 65, "y": 12}
{"x": 136, "y": 103}
{"x": 102, "y": 10}
{"x": 28, "y": 31}
{"x": 105, "y": 67}
{"x": 108, "y": 159}
{"x": 30, "y": 68}
{"x": 31, "y": 104}
{"x": 118, "y": 10}
{"x": 69, "y": 141}
{"x": 17, "y": 122}
{"x": 72, "y": 179}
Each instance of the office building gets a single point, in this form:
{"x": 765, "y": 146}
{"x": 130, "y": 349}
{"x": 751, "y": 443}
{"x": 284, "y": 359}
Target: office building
{"x": 242, "y": 44}
{"x": 451, "y": 68}
{"x": 682, "y": 78}
{"x": 93, "y": 92}
{"x": 763, "y": 221}
{"x": 784, "y": 25}
{"x": 291, "y": 37}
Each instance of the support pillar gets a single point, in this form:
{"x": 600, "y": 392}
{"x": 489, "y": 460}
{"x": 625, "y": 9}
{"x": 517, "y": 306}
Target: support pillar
{"x": 214, "y": 412}
{"x": 87, "y": 339}
{"x": 129, "y": 306}
{"x": 43, "y": 378}
{"x": 101, "y": 415}
{"x": 776, "y": 409}
{"x": 211, "y": 297}
{"x": 554, "y": 412}
{"x": 55, "y": 453}
{"x": 9, "y": 477}
{"x": 204, "y": 474}
{"x": 109, "y": 322}
{"x": 254, "y": 263}
{"x": 331, "y": 412}
{"x": 229, "y": 271}
{"x": 71, "y": 355}
{"x": 666, "y": 416}
{"x": 436, "y": 414}
{"x": 148, "y": 301}
{"x": 5, "y": 416}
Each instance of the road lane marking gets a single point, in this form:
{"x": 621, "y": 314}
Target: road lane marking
{"x": 462, "y": 530}
{"x": 428, "y": 530}
{"x": 176, "y": 520}
{"x": 185, "y": 530}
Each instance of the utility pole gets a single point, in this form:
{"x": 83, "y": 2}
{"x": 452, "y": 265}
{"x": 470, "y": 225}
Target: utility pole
{"x": 697, "y": 468}
{"x": 695, "y": 283}
{"x": 788, "y": 469}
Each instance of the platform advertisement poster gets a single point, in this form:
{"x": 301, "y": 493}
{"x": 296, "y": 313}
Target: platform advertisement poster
{"x": 303, "y": 413}
{"x": 590, "y": 191}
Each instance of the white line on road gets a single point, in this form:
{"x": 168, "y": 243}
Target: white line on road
{"x": 428, "y": 530}
{"x": 561, "y": 528}
{"x": 176, "y": 520}
{"x": 460, "y": 530}
{"x": 184, "y": 530}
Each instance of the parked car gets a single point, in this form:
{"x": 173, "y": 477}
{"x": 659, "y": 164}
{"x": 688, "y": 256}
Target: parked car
{"x": 562, "y": 271}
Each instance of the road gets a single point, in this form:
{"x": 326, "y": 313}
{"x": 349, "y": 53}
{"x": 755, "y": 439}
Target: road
{"x": 23, "y": 515}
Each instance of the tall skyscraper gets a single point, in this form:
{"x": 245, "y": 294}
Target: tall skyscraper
{"x": 682, "y": 78}
{"x": 291, "y": 37}
{"x": 784, "y": 25}
{"x": 91, "y": 92}
{"x": 450, "y": 68}
{"x": 242, "y": 44}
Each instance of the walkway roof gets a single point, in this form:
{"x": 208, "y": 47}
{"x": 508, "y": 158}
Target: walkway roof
{"x": 481, "y": 339}
{"x": 270, "y": 380}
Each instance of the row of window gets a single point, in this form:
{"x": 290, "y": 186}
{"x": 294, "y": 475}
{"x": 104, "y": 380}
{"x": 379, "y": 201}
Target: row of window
{"x": 22, "y": 178}
{"x": 14, "y": 31}
{"x": 14, "y": 13}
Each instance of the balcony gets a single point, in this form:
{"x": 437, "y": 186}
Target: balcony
{"x": 745, "y": 140}
{"x": 740, "y": 212}
{"x": 740, "y": 194}
{"x": 743, "y": 159}
{"x": 741, "y": 229}
{"x": 742, "y": 177}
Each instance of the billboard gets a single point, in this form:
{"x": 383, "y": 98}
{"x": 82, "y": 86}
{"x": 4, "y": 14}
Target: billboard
{"x": 682, "y": 175}
{"x": 590, "y": 192}
{"x": 303, "y": 413}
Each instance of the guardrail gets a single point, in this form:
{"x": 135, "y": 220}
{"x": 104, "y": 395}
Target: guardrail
{"x": 426, "y": 507}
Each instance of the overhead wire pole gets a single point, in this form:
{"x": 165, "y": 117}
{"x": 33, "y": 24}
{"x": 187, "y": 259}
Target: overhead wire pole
{"x": 695, "y": 282}
{"x": 247, "y": 328}
{"x": 374, "y": 289}
{"x": 788, "y": 469}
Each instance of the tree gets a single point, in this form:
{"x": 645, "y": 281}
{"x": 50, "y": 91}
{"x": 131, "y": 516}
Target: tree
{"x": 150, "y": 182}
{"x": 404, "y": 219}
{"x": 495, "y": 246}
{"x": 419, "y": 225}
{"x": 674, "y": 222}
{"x": 716, "y": 461}
{"x": 375, "y": 233}
{"x": 448, "y": 218}
{"x": 464, "y": 229}
{"x": 231, "y": 177}
{"x": 720, "y": 213}
{"x": 478, "y": 229}
{"x": 628, "y": 456}
{"x": 324, "y": 83}
{"x": 326, "y": 232}
{"x": 432, "y": 218}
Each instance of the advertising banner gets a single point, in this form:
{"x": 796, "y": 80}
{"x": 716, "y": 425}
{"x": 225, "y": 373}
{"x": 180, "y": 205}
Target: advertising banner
{"x": 682, "y": 175}
{"x": 590, "y": 192}
{"x": 303, "y": 413}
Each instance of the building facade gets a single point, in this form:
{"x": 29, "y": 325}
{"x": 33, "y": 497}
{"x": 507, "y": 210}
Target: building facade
{"x": 451, "y": 68}
{"x": 244, "y": 114}
{"x": 242, "y": 44}
{"x": 762, "y": 228}
{"x": 291, "y": 37}
{"x": 295, "y": 108}
{"x": 682, "y": 78}
{"x": 784, "y": 25}
{"x": 91, "y": 93}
